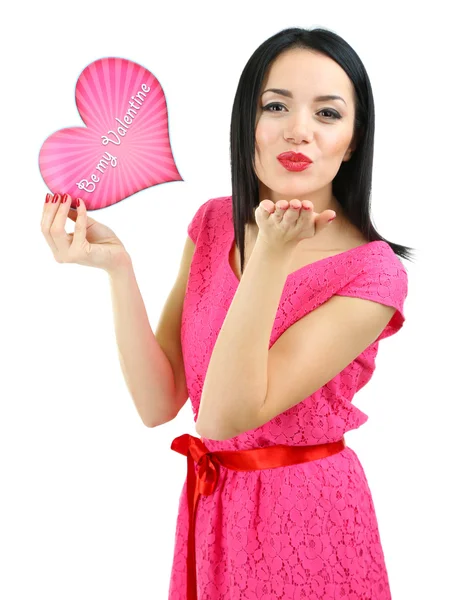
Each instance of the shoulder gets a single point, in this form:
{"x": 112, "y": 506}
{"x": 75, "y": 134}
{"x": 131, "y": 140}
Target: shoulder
{"x": 376, "y": 265}
{"x": 378, "y": 274}
{"x": 214, "y": 206}
{"x": 382, "y": 260}
{"x": 207, "y": 215}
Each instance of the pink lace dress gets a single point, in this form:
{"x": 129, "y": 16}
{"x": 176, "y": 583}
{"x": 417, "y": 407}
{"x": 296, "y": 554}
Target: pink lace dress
{"x": 302, "y": 531}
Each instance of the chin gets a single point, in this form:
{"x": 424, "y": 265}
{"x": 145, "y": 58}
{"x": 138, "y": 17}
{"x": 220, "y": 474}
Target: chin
{"x": 290, "y": 193}
{"x": 285, "y": 190}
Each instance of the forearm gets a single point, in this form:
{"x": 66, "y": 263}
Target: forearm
{"x": 236, "y": 380}
{"x": 146, "y": 368}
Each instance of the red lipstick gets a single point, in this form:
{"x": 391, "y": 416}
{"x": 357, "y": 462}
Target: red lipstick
{"x": 295, "y": 156}
{"x": 294, "y": 161}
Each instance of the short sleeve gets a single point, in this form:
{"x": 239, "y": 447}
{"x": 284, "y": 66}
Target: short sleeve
{"x": 194, "y": 226}
{"x": 383, "y": 280}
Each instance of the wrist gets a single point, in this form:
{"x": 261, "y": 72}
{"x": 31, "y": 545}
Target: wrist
{"x": 273, "y": 249}
{"x": 123, "y": 264}
{"x": 280, "y": 254}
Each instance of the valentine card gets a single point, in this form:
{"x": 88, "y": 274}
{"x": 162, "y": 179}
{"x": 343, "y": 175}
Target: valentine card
{"x": 124, "y": 146}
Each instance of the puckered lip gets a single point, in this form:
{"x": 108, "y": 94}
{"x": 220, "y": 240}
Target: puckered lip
{"x": 294, "y": 156}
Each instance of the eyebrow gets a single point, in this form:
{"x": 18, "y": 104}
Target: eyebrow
{"x": 287, "y": 93}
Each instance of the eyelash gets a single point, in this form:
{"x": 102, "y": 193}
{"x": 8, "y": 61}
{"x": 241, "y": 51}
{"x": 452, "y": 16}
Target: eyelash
{"x": 335, "y": 115}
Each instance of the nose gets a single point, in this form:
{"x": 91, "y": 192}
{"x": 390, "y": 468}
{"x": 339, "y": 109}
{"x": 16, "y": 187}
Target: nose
{"x": 298, "y": 129}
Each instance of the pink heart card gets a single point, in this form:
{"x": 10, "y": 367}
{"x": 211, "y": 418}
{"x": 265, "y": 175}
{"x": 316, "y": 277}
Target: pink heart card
{"x": 125, "y": 145}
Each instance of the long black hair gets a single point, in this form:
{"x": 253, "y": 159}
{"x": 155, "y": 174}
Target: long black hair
{"x": 352, "y": 184}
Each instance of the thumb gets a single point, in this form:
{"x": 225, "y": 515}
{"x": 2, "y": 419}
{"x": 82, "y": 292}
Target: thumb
{"x": 80, "y": 222}
{"x": 324, "y": 220}
{"x": 74, "y": 213}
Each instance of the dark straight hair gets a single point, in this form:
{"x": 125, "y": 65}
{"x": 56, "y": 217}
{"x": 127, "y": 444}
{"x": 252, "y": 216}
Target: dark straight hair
{"x": 352, "y": 184}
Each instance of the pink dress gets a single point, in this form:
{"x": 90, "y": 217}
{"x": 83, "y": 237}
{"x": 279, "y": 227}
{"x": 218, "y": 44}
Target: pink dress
{"x": 302, "y": 531}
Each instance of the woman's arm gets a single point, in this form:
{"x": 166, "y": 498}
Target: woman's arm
{"x": 235, "y": 385}
{"x": 146, "y": 368}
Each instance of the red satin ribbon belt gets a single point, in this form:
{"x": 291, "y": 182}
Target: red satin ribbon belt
{"x": 240, "y": 460}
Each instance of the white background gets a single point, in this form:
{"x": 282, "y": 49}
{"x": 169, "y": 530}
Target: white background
{"x": 89, "y": 495}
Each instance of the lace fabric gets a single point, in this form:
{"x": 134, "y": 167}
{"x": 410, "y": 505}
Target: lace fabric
{"x": 303, "y": 531}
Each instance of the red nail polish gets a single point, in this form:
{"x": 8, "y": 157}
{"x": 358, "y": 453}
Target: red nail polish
{"x": 331, "y": 219}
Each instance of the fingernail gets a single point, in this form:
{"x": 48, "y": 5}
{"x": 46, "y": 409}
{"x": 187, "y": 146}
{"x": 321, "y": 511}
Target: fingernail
{"x": 331, "y": 219}
{"x": 77, "y": 202}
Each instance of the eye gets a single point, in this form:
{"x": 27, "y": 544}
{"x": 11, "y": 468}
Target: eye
{"x": 333, "y": 113}
{"x": 268, "y": 106}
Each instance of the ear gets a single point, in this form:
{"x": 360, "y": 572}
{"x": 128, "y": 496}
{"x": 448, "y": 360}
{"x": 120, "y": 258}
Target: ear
{"x": 352, "y": 147}
{"x": 348, "y": 154}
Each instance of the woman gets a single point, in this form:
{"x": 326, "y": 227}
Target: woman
{"x": 277, "y": 339}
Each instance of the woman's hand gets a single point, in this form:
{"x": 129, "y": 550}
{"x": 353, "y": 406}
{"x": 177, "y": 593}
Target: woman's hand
{"x": 285, "y": 224}
{"x": 92, "y": 244}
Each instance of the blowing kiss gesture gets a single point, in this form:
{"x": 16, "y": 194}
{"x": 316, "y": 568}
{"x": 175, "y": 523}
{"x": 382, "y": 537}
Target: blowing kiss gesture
{"x": 285, "y": 224}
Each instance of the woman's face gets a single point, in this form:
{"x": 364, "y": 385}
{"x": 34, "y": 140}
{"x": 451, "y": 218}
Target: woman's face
{"x": 320, "y": 129}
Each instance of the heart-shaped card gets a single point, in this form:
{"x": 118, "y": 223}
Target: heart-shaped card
{"x": 125, "y": 146}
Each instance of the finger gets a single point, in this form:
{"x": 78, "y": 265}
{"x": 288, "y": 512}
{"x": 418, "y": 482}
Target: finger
{"x": 268, "y": 206}
{"x": 306, "y": 214}
{"x": 280, "y": 208}
{"x": 48, "y": 226}
{"x": 46, "y": 220}
{"x": 295, "y": 204}
{"x": 80, "y": 233}
{"x": 308, "y": 206}
{"x": 73, "y": 213}
{"x": 57, "y": 231}
{"x": 294, "y": 211}
{"x": 48, "y": 199}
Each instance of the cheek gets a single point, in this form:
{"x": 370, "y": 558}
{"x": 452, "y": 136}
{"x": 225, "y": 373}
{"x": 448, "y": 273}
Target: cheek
{"x": 265, "y": 133}
{"x": 337, "y": 144}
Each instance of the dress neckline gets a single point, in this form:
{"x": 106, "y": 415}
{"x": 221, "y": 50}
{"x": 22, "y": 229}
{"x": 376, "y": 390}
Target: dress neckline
{"x": 300, "y": 269}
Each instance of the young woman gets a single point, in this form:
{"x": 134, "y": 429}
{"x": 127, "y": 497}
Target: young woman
{"x": 282, "y": 317}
